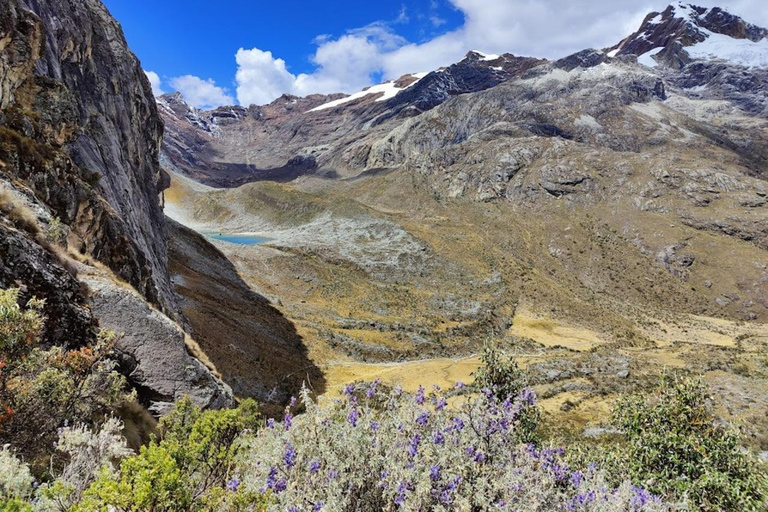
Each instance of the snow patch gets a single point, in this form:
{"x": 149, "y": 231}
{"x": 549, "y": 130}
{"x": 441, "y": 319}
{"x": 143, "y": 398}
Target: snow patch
{"x": 646, "y": 60}
{"x": 613, "y": 53}
{"x": 738, "y": 51}
{"x": 387, "y": 90}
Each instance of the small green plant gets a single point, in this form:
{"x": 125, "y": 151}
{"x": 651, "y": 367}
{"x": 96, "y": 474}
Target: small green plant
{"x": 503, "y": 377}
{"x": 56, "y": 232}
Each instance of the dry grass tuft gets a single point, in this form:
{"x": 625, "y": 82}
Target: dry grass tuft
{"x": 197, "y": 352}
{"x": 18, "y": 213}
{"x": 139, "y": 426}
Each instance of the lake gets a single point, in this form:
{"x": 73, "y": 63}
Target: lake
{"x": 237, "y": 239}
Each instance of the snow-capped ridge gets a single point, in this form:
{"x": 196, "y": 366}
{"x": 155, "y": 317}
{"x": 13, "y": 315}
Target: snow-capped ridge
{"x": 685, "y": 32}
{"x": 387, "y": 90}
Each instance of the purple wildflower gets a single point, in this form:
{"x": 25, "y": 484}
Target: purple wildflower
{"x": 375, "y": 426}
{"x": 434, "y": 473}
{"x": 270, "y": 423}
{"x": 438, "y": 438}
{"x": 352, "y": 417}
{"x": 413, "y": 446}
{"x": 233, "y": 485}
{"x": 528, "y": 396}
{"x": 317, "y": 507}
{"x": 314, "y": 466}
{"x": 422, "y": 419}
{"x": 576, "y": 478}
{"x": 420, "y": 395}
{"x": 287, "y": 421}
{"x": 289, "y": 457}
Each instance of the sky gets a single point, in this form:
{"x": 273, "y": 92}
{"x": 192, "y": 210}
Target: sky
{"x": 245, "y": 52}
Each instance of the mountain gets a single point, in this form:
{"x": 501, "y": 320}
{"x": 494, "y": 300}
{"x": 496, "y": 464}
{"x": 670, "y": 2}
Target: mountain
{"x": 292, "y": 136}
{"x": 603, "y": 215}
{"x": 683, "y": 32}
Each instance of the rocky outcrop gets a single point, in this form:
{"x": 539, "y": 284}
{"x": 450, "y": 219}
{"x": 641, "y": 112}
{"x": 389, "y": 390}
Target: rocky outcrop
{"x": 40, "y": 273}
{"x": 87, "y": 134}
{"x": 151, "y": 349}
{"x": 79, "y": 142}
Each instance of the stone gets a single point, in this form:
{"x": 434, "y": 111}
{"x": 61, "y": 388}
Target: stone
{"x": 151, "y": 349}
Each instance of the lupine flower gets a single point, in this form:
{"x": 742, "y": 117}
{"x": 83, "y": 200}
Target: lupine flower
{"x": 287, "y": 421}
{"x": 270, "y": 423}
{"x": 289, "y": 457}
{"x": 317, "y": 507}
{"x": 375, "y": 425}
{"x": 434, "y": 473}
{"x": 528, "y": 396}
{"x": 293, "y": 402}
{"x": 420, "y": 396}
{"x": 438, "y": 438}
{"x": 422, "y": 419}
{"x": 413, "y": 446}
{"x": 352, "y": 417}
{"x": 233, "y": 485}
{"x": 314, "y": 466}
{"x": 576, "y": 478}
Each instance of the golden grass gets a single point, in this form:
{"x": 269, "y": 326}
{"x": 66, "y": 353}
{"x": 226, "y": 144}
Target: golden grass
{"x": 410, "y": 375}
{"x": 18, "y": 213}
{"x": 552, "y": 334}
{"x": 198, "y": 353}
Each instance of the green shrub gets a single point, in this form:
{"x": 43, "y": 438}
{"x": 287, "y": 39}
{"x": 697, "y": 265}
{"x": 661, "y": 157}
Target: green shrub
{"x": 191, "y": 468}
{"x": 41, "y": 390}
{"x": 504, "y": 378}
{"x": 675, "y": 447}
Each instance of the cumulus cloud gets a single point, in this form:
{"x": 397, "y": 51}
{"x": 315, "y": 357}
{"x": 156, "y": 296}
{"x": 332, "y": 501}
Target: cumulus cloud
{"x": 346, "y": 64}
{"x": 544, "y": 28}
{"x": 204, "y": 94}
{"x": 154, "y": 80}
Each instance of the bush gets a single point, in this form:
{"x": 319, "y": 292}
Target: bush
{"x": 416, "y": 453}
{"x": 191, "y": 468}
{"x": 676, "y": 448}
{"x": 503, "y": 377}
{"x": 41, "y": 390}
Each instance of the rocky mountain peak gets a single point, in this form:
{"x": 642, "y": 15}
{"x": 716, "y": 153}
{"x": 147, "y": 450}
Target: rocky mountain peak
{"x": 683, "y": 32}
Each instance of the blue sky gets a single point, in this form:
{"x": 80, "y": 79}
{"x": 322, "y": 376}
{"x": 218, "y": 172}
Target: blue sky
{"x": 246, "y": 51}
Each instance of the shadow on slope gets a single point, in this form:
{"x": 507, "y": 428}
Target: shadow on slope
{"x": 256, "y": 349}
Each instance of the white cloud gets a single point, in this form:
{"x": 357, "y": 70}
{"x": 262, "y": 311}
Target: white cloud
{"x": 346, "y": 64}
{"x": 154, "y": 80}
{"x": 540, "y": 28}
{"x": 201, "y": 93}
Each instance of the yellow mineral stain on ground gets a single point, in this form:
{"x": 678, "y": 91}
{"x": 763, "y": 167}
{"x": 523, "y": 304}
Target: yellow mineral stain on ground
{"x": 410, "y": 375}
{"x": 550, "y": 334}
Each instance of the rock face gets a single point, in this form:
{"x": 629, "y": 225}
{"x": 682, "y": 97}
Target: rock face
{"x": 25, "y": 264}
{"x": 162, "y": 370}
{"x": 79, "y": 142}
{"x": 94, "y": 138}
